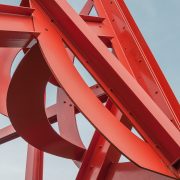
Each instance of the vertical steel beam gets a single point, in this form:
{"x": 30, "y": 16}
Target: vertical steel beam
{"x": 34, "y": 164}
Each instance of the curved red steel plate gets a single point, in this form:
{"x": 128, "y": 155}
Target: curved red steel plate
{"x": 25, "y": 104}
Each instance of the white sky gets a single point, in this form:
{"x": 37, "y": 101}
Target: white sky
{"x": 158, "y": 20}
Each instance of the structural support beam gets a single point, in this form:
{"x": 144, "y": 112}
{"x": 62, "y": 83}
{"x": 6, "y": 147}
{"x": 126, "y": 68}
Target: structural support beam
{"x": 129, "y": 43}
{"x": 16, "y": 10}
{"x": 87, "y": 8}
{"x": 16, "y": 39}
{"x": 124, "y": 171}
{"x": 16, "y": 27}
{"x": 34, "y": 164}
{"x": 7, "y": 134}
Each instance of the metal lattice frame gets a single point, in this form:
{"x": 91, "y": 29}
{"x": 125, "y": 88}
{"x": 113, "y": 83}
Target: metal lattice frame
{"x": 129, "y": 80}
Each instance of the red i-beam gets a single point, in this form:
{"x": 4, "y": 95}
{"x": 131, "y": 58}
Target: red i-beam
{"x": 51, "y": 34}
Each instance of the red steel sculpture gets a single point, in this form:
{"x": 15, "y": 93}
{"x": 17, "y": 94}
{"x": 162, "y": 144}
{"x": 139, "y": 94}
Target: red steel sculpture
{"x": 129, "y": 81}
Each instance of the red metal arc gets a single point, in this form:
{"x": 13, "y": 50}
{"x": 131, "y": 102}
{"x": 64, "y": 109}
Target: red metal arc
{"x": 129, "y": 81}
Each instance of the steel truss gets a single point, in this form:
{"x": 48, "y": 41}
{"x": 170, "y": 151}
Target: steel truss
{"x": 129, "y": 81}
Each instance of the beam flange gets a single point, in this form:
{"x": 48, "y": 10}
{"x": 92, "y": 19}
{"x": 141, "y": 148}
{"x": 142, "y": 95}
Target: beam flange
{"x": 18, "y": 10}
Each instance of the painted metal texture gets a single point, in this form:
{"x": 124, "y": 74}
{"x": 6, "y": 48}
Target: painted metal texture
{"x": 129, "y": 81}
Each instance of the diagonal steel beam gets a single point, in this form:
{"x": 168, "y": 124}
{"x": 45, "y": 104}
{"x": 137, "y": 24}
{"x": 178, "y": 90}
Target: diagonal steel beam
{"x": 34, "y": 164}
{"x": 130, "y": 171}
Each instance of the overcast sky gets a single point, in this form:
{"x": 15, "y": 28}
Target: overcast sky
{"x": 158, "y": 20}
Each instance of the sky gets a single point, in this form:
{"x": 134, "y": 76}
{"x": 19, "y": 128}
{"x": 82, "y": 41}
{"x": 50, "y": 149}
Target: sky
{"x": 158, "y": 21}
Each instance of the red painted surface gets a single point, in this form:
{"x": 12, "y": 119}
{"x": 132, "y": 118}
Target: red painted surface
{"x": 129, "y": 77}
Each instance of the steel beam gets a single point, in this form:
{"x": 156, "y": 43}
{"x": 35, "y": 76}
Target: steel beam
{"x": 139, "y": 57}
{"x": 34, "y": 164}
{"x": 16, "y": 27}
{"x": 130, "y": 171}
{"x": 100, "y": 154}
{"x": 16, "y": 10}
